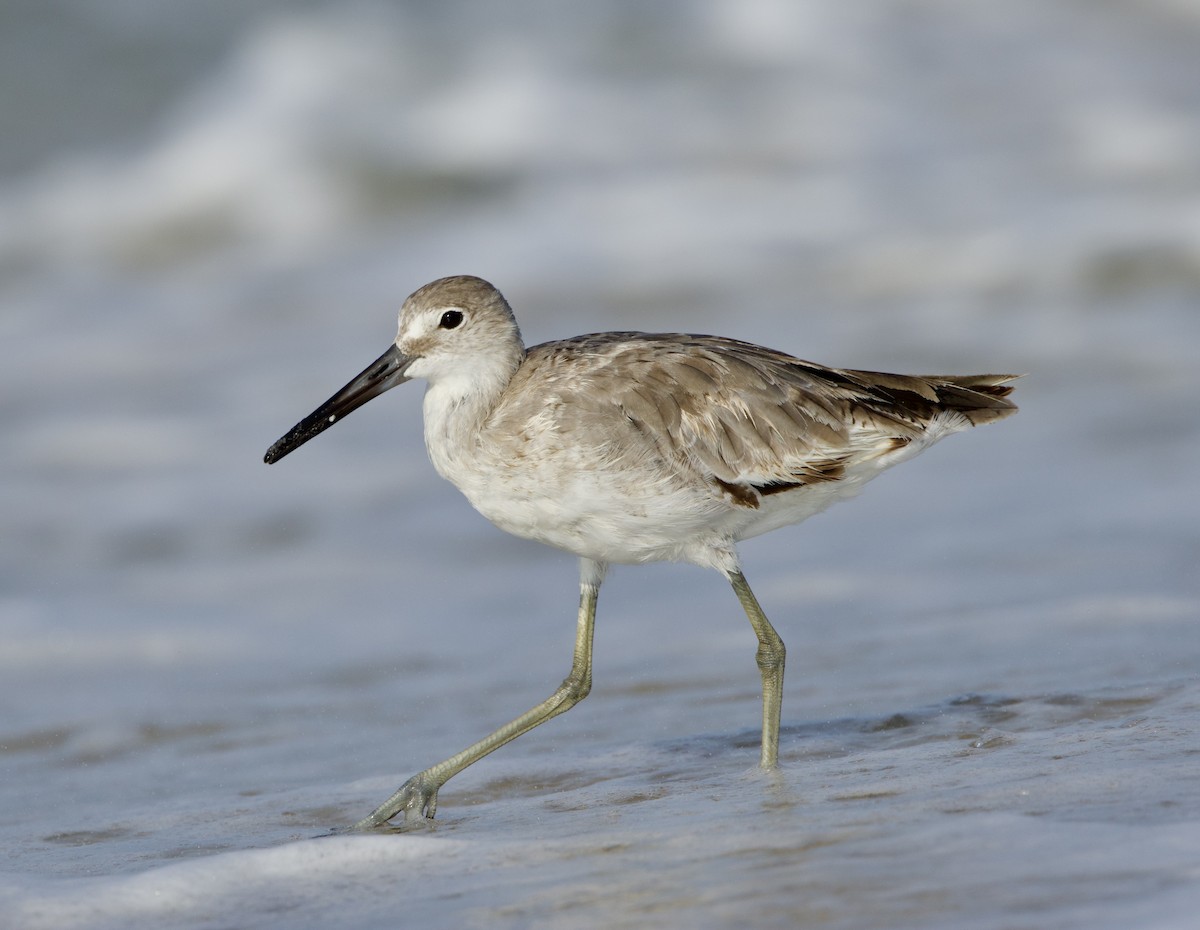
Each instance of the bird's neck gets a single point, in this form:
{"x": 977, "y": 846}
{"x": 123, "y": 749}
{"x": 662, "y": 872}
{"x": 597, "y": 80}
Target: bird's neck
{"x": 457, "y": 405}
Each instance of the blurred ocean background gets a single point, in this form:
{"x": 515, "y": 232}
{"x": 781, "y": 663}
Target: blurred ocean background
{"x": 209, "y": 215}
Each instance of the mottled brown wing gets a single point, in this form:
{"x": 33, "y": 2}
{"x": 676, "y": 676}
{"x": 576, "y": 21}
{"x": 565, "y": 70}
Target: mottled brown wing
{"x": 753, "y": 421}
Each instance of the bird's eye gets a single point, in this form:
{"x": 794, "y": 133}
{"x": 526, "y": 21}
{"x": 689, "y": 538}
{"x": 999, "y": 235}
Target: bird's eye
{"x": 450, "y": 319}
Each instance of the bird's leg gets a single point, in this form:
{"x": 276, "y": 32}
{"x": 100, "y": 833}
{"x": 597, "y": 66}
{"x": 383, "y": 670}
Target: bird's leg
{"x": 417, "y": 797}
{"x": 771, "y": 654}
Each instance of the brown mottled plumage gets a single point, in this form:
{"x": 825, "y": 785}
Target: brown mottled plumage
{"x": 748, "y": 419}
{"x": 634, "y": 447}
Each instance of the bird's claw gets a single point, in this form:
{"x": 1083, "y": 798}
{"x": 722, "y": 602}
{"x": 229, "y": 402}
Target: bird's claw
{"x": 416, "y": 798}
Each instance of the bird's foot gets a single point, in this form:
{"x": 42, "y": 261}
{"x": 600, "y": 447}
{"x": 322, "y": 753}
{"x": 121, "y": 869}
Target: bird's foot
{"x": 416, "y": 798}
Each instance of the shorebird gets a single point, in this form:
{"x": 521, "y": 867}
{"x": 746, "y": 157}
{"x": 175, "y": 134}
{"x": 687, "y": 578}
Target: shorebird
{"x": 628, "y": 447}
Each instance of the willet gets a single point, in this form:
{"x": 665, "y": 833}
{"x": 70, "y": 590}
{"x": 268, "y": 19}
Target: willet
{"x": 635, "y": 447}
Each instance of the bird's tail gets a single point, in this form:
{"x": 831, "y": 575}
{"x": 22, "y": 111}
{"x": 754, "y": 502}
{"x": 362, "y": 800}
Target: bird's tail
{"x": 979, "y": 398}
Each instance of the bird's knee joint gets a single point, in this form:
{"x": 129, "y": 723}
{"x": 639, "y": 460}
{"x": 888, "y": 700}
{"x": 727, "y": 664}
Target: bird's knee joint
{"x": 575, "y": 688}
{"x": 771, "y": 656}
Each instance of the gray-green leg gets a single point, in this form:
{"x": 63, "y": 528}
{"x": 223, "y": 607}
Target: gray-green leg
{"x": 771, "y": 655}
{"x": 418, "y": 796}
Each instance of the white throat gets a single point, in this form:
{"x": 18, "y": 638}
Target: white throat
{"x": 457, "y": 404}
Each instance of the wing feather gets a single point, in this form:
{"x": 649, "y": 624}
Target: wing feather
{"x": 750, "y": 420}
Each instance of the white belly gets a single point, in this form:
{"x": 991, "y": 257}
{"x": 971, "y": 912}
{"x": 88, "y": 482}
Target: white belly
{"x": 616, "y": 500}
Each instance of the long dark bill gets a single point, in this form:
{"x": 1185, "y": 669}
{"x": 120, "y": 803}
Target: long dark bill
{"x": 381, "y": 375}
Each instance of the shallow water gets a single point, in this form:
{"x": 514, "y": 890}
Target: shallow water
{"x": 210, "y": 666}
